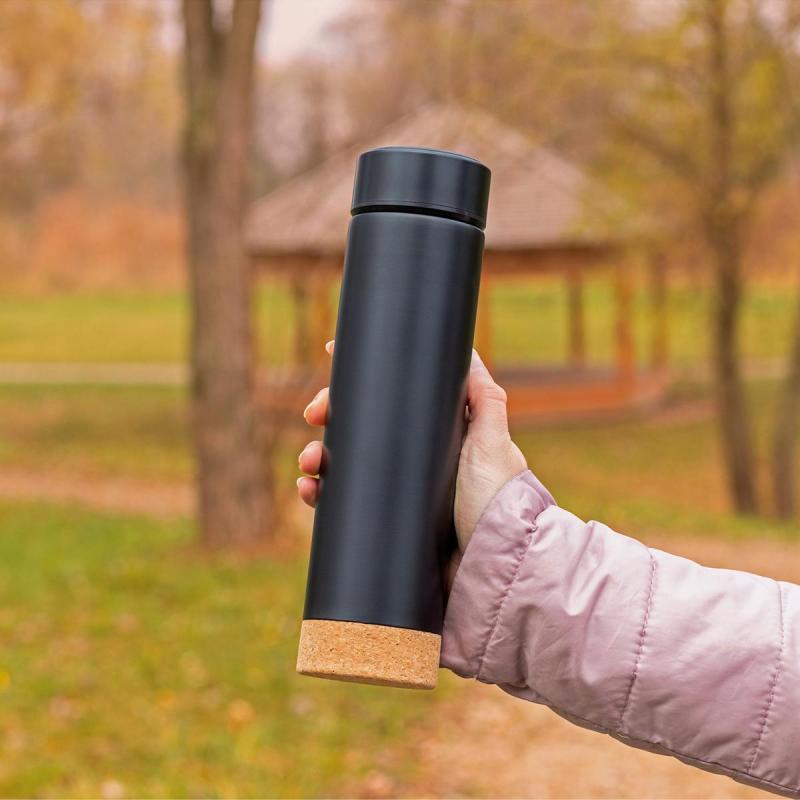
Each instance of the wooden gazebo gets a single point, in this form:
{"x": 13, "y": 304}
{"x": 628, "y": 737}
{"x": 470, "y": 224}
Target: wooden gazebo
{"x": 541, "y": 222}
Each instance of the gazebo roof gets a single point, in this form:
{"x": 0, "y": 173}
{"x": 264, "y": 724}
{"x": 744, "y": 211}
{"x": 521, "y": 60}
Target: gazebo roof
{"x": 539, "y": 200}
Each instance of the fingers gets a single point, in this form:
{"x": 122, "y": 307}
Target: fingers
{"x": 310, "y": 460}
{"x": 308, "y": 489}
{"x": 316, "y": 412}
{"x": 486, "y": 400}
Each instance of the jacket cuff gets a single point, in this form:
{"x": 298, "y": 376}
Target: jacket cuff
{"x": 486, "y": 573}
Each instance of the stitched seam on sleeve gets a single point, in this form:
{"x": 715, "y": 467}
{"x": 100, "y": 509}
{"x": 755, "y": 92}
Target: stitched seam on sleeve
{"x": 529, "y": 536}
{"x": 773, "y": 685}
{"x": 642, "y": 636}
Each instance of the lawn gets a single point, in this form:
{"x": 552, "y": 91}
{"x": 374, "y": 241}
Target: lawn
{"x": 132, "y": 665}
{"x": 96, "y": 432}
{"x": 120, "y": 327}
{"x": 661, "y": 472}
{"x": 529, "y": 323}
{"x": 653, "y": 474}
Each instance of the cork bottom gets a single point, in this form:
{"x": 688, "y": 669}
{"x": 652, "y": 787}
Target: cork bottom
{"x": 378, "y": 654}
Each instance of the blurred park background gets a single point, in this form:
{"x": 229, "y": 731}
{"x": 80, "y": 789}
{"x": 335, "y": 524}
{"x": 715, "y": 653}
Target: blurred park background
{"x": 173, "y": 203}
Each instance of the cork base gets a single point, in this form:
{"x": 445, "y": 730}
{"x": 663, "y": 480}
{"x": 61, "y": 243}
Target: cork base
{"x": 354, "y": 651}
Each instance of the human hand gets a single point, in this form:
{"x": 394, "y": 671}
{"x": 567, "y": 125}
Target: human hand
{"x": 489, "y": 458}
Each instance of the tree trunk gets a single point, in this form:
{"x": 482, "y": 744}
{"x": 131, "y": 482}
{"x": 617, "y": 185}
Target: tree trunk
{"x": 723, "y": 233}
{"x": 737, "y": 439}
{"x": 659, "y": 343}
{"x": 233, "y": 497}
{"x": 783, "y": 458}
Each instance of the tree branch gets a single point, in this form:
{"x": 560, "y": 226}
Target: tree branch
{"x": 679, "y": 161}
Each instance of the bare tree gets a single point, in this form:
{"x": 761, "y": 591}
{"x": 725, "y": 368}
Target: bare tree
{"x": 784, "y": 446}
{"x": 723, "y": 223}
{"x": 785, "y": 442}
{"x": 233, "y": 497}
{"x": 700, "y": 111}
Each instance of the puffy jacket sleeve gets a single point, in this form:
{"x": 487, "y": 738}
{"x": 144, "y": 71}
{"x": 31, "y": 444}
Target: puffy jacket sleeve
{"x": 661, "y": 653}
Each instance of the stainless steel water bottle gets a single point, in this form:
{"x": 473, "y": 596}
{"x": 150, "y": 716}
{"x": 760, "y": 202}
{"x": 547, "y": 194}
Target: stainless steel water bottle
{"x": 383, "y": 530}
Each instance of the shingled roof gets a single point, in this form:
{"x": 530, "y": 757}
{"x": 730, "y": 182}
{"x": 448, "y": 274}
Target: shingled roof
{"x": 538, "y": 199}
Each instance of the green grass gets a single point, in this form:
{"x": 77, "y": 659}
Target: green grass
{"x": 529, "y": 323}
{"x": 122, "y": 327}
{"x": 132, "y": 326}
{"x": 96, "y": 432}
{"x": 646, "y": 475}
{"x": 101, "y": 432}
{"x": 128, "y": 658}
{"x": 638, "y": 474}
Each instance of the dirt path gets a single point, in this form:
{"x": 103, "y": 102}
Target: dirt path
{"x": 108, "y": 494}
{"x": 491, "y": 745}
{"x": 175, "y": 373}
{"x": 488, "y": 744}
{"x": 110, "y": 374}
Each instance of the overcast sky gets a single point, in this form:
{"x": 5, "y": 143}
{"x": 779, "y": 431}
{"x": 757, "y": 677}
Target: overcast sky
{"x": 294, "y": 26}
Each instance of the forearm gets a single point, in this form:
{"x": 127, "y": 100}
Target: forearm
{"x": 700, "y": 663}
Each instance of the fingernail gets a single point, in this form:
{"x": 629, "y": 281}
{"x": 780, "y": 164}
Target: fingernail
{"x": 298, "y": 482}
{"x": 308, "y": 407}
{"x": 476, "y": 356}
{"x": 329, "y": 346}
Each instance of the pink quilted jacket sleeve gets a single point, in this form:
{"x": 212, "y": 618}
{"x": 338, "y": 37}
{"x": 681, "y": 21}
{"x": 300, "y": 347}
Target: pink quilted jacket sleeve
{"x": 702, "y": 664}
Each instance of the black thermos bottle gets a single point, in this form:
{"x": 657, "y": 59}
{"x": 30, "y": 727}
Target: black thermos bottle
{"x": 383, "y": 530}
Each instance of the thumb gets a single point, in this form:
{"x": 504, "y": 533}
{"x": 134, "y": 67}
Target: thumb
{"x": 486, "y": 400}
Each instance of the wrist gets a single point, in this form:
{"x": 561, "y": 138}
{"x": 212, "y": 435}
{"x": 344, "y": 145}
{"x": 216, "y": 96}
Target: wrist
{"x": 481, "y": 476}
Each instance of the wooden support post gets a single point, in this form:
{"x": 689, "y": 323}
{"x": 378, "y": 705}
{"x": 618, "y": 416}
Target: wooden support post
{"x": 576, "y": 318}
{"x": 659, "y": 344}
{"x": 301, "y": 343}
{"x": 483, "y": 323}
{"x": 321, "y": 318}
{"x": 313, "y": 319}
{"x": 626, "y": 355}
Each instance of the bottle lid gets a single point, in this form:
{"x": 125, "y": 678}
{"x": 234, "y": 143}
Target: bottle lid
{"x": 426, "y": 181}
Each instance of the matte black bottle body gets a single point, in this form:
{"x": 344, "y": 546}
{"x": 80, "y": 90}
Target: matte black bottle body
{"x": 383, "y": 528}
